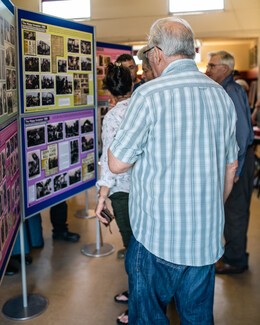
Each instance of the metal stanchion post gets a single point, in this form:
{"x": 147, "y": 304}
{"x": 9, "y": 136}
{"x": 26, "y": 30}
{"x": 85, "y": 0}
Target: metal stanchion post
{"x": 99, "y": 248}
{"x": 25, "y": 306}
{"x": 85, "y": 213}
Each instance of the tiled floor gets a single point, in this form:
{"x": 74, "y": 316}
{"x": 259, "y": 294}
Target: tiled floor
{"x": 80, "y": 289}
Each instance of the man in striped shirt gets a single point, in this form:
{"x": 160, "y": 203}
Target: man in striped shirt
{"x": 179, "y": 135}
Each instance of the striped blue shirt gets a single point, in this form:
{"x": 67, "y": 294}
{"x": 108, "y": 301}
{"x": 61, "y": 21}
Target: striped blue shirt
{"x": 179, "y": 131}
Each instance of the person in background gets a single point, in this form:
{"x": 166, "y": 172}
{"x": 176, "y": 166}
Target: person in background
{"x": 128, "y": 61}
{"x": 118, "y": 82}
{"x": 146, "y": 67}
{"x": 33, "y": 237}
{"x": 60, "y": 231}
{"x": 255, "y": 117}
{"x": 182, "y": 149}
{"x": 235, "y": 259}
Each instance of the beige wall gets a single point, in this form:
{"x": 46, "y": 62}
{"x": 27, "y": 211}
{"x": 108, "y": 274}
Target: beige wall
{"x": 31, "y": 5}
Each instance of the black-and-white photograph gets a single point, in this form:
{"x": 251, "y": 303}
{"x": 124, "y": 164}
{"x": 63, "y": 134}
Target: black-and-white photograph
{"x": 45, "y": 65}
{"x": 7, "y": 31}
{"x": 91, "y": 167}
{"x": 33, "y": 159}
{"x": 8, "y": 149}
{"x": 9, "y": 99}
{"x": 10, "y": 79}
{"x": 47, "y": 81}
{"x": 73, "y": 63}
{"x": 55, "y": 132}
{"x": 86, "y": 125}
{"x": 100, "y": 71}
{"x": 1, "y": 31}
{"x": 63, "y": 84}
{"x": 35, "y": 136}
{"x": 43, "y": 188}
{"x": 71, "y": 128}
{"x": 107, "y": 60}
{"x": 73, "y": 45}
{"x": 3, "y": 160}
{"x": 86, "y": 64}
{"x": 87, "y": 143}
{"x": 74, "y": 152}
{"x": 53, "y": 162}
{"x": 60, "y": 181}
{"x": 12, "y": 34}
{"x": 1, "y": 169}
{"x": 43, "y": 48}
{"x": 62, "y": 65}
{"x": 74, "y": 176}
{"x": 33, "y": 99}
{"x": 2, "y": 64}
{"x": 31, "y": 63}
{"x": 48, "y": 98}
{"x": 29, "y": 35}
{"x": 85, "y": 47}
{"x": 32, "y": 81}
{"x": 100, "y": 60}
{"x": 1, "y": 100}
{"x": 10, "y": 56}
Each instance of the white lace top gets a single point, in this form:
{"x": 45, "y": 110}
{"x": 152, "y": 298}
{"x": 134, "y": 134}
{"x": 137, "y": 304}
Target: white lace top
{"x": 111, "y": 123}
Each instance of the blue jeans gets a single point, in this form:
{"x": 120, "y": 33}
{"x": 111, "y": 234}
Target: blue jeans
{"x": 153, "y": 282}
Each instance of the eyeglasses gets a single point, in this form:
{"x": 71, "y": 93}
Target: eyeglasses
{"x": 213, "y": 66}
{"x": 151, "y": 48}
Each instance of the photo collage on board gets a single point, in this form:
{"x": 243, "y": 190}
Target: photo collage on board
{"x": 9, "y": 184}
{"x": 58, "y": 69}
{"x": 60, "y": 153}
{"x": 8, "y": 86}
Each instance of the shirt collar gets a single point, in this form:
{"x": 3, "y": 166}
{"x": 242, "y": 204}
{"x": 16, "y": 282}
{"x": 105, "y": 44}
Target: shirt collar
{"x": 180, "y": 65}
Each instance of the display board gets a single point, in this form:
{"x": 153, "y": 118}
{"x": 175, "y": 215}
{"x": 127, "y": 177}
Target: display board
{"x": 9, "y": 156}
{"x": 8, "y": 76}
{"x": 105, "y": 53}
{"x": 59, "y": 154}
{"x": 9, "y": 192}
{"x": 57, "y": 71}
{"x": 56, "y": 63}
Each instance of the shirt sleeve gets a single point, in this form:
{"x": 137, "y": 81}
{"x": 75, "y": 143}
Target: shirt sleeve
{"x": 133, "y": 132}
{"x": 232, "y": 147}
{"x": 243, "y": 124}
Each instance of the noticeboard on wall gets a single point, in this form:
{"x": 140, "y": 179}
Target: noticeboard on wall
{"x": 56, "y": 63}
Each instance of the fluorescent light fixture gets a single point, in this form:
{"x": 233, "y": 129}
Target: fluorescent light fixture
{"x": 69, "y": 9}
{"x": 180, "y": 6}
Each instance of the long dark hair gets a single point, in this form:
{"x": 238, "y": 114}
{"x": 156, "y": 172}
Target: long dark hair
{"x": 118, "y": 80}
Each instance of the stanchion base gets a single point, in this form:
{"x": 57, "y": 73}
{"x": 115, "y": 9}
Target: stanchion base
{"x": 85, "y": 214}
{"x": 14, "y": 309}
{"x": 91, "y": 250}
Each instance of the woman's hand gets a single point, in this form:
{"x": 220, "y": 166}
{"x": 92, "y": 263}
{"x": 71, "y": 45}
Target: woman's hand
{"x": 101, "y": 204}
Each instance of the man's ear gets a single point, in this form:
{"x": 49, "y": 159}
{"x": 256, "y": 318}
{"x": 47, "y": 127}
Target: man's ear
{"x": 157, "y": 55}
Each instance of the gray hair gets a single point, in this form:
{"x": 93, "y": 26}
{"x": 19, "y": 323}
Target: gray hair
{"x": 225, "y": 58}
{"x": 142, "y": 56}
{"x": 174, "y": 36}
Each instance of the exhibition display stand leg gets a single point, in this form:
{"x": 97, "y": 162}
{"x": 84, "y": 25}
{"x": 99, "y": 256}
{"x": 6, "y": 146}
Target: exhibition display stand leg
{"x": 85, "y": 213}
{"x": 24, "y": 306}
{"x": 99, "y": 248}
